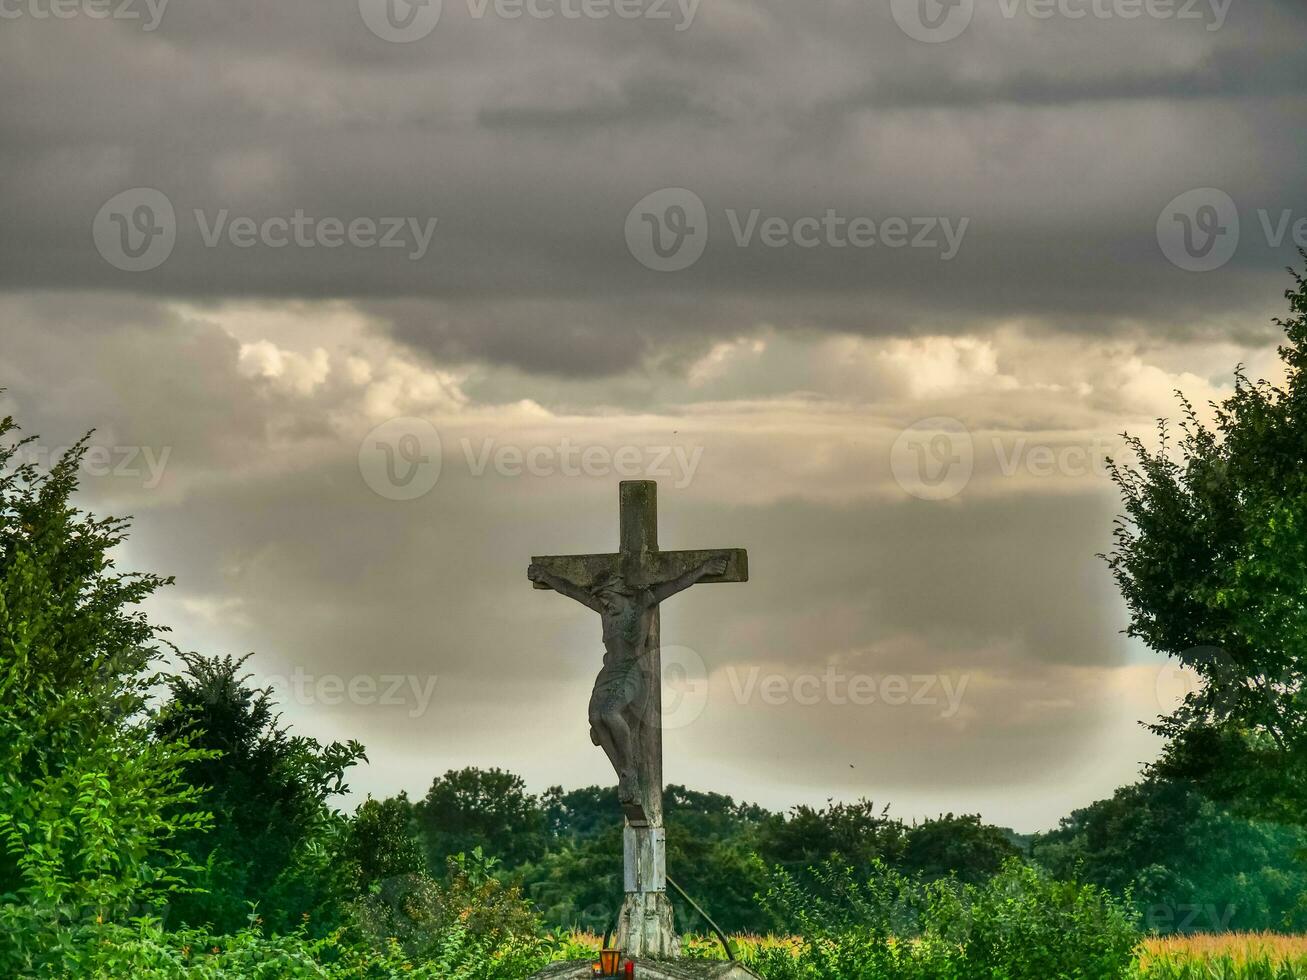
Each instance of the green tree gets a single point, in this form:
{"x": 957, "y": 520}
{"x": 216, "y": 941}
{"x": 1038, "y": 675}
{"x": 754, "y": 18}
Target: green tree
{"x": 275, "y": 841}
{"x": 487, "y": 808}
{"x": 578, "y": 883}
{"x": 961, "y": 846}
{"x": 383, "y": 841}
{"x": 1190, "y": 865}
{"x": 90, "y": 804}
{"x": 471, "y": 909}
{"x": 578, "y": 813}
{"x": 1211, "y": 558}
{"x": 712, "y": 854}
{"x": 854, "y": 834}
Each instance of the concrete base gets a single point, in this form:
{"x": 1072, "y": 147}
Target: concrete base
{"x": 644, "y": 926}
{"x": 654, "y": 970}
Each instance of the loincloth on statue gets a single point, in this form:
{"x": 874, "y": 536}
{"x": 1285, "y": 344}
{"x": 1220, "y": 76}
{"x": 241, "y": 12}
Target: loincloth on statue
{"x": 618, "y": 684}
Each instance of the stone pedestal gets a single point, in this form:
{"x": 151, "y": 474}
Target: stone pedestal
{"x": 644, "y": 925}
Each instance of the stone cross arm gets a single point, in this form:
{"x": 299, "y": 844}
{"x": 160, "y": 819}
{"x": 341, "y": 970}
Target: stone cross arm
{"x": 638, "y": 560}
{"x": 649, "y": 568}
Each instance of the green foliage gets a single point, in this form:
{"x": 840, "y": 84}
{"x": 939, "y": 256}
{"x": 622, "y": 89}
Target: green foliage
{"x": 418, "y": 915}
{"x": 275, "y": 841}
{"x": 383, "y": 842}
{"x": 90, "y": 804}
{"x": 487, "y": 808}
{"x": 856, "y": 834}
{"x": 144, "y": 951}
{"x": 963, "y": 846}
{"x": 577, "y": 814}
{"x": 474, "y": 928}
{"x": 578, "y": 884}
{"x": 1019, "y": 925}
{"x": 1190, "y": 865}
{"x": 720, "y": 851}
{"x": 1211, "y": 558}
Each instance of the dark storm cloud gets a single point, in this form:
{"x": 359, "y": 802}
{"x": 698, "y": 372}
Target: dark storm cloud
{"x": 525, "y": 319}
{"x": 529, "y": 141}
{"x": 640, "y": 101}
{"x": 1222, "y": 74}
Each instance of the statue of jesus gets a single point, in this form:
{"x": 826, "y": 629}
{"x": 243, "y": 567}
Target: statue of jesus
{"x": 626, "y": 611}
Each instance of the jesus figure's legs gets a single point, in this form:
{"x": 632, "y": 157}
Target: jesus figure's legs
{"x": 611, "y": 732}
{"x": 614, "y": 690}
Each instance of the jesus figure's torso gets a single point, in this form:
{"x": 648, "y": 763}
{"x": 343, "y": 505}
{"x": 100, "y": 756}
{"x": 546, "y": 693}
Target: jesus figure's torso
{"x": 626, "y": 621}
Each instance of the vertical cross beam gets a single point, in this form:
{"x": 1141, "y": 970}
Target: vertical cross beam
{"x": 645, "y": 921}
{"x": 638, "y": 502}
{"x": 638, "y": 534}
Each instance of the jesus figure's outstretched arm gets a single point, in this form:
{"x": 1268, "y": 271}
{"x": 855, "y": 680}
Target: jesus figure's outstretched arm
{"x": 665, "y": 590}
{"x": 562, "y": 586}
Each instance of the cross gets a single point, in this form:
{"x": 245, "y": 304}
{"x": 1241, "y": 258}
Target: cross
{"x": 645, "y": 925}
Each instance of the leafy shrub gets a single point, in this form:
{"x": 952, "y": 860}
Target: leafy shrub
{"x": 419, "y": 917}
{"x": 275, "y": 839}
{"x": 382, "y": 842}
{"x": 1019, "y": 925}
{"x": 90, "y": 803}
{"x": 144, "y": 951}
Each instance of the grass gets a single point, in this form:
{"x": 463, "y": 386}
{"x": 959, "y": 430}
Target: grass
{"x": 1239, "y": 946}
{"x": 1197, "y": 956}
{"x": 1224, "y": 956}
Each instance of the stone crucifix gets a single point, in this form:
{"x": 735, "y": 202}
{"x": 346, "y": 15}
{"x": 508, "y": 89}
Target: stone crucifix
{"x": 626, "y": 705}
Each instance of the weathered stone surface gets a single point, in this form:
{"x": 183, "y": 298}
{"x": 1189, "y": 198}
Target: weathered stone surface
{"x": 649, "y": 969}
{"x": 645, "y": 926}
{"x": 644, "y": 856}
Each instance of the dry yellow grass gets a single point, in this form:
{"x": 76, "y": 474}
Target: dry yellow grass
{"x": 1239, "y": 946}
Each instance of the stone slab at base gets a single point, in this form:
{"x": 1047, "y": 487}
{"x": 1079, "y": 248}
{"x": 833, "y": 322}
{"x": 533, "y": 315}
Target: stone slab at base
{"x": 654, "y": 970}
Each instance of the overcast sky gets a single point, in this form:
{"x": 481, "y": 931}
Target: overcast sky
{"x": 368, "y": 304}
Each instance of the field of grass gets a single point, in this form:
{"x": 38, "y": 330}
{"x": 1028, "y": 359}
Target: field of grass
{"x": 1201, "y": 956}
{"x": 1224, "y": 956}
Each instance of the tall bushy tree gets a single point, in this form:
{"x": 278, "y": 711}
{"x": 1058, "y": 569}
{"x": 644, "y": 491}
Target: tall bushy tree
{"x": 487, "y": 808}
{"x": 1188, "y": 865}
{"x": 383, "y": 841}
{"x": 963, "y": 846}
{"x": 90, "y": 804}
{"x": 856, "y": 834}
{"x": 1211, "y": 557}
{"x": 275, "y": 840}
